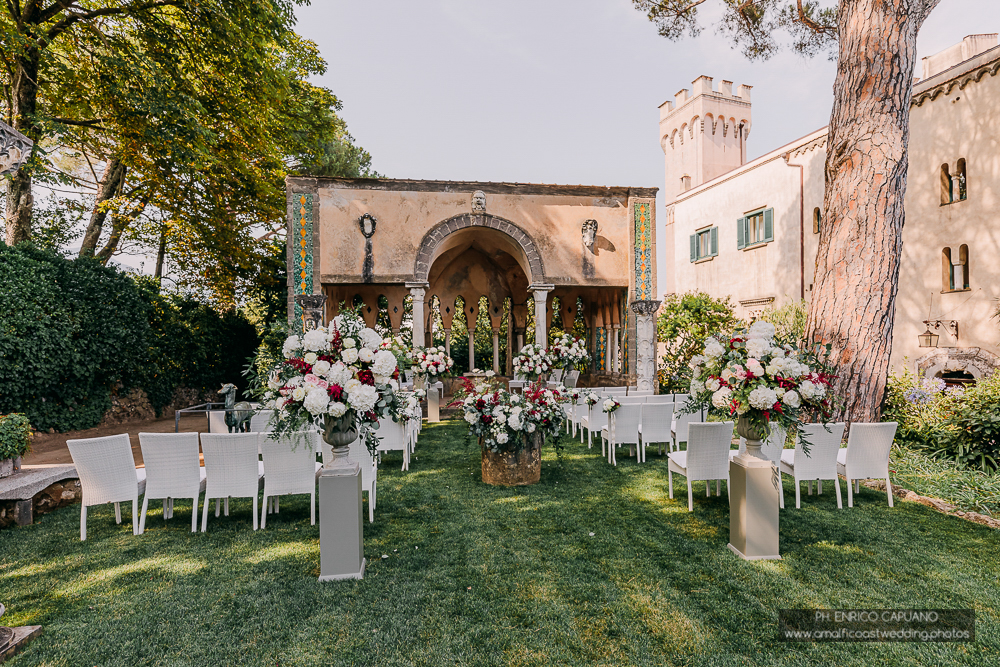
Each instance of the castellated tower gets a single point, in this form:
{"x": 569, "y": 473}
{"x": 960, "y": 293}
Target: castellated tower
{"x": 703, "y": 134}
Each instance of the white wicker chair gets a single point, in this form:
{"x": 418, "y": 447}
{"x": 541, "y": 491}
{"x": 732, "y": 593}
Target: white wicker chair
{"x": 654, "y": 425}
{"x": 571, "y": 379}
{"x": 681, "y": 422}
{"x": 260, "y": 422}
{"x": 706, "y": 457}
{"x": 595, "y": 421}
{"x": 107, "y": 472}
{"x": 290, "y": 468}
{"x": 867, "y": 456}
{"x": 623, "y": 429}
{"x": 632, "y": 391}
{"x": 232, "y": 470}
{"x": 819, "y": 464}
{"x": 394, "y": 437}
{"x": 517, "y": 383}
{"x": 173, "y": 470}
{"x": 557, "y": 375}
{"x": 772, "y": 446}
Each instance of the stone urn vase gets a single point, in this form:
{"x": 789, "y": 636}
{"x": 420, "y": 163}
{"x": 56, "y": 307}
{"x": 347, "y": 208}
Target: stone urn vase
{"x": 339, "y": 434}
{"x": 519, "y": 467}
{"x": 754, "y": 436}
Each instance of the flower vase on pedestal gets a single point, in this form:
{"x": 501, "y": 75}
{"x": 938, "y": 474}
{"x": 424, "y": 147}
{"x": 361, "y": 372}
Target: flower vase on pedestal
{"x": 754, "y": 435}
{"x": 339, "y": 434}
{"x": 753, "y": 497}
{"x": 341, "y": 531}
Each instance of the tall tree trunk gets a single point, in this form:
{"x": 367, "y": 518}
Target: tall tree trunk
{"x": 119, "y": 223}
{"x": 161, "y": 253}
{"x": 857, "y": 265}
{"x": 24, "y": 88}
{"x": 110, "y": 187}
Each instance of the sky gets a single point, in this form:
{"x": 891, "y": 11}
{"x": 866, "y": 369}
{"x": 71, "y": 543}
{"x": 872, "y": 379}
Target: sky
{"x": 555, "y": 91}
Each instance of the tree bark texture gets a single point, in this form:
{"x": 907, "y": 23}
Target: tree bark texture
{"x": 857, "y": 264}
{"x": 110, "y": 187}
{"x": 24, "y": 92}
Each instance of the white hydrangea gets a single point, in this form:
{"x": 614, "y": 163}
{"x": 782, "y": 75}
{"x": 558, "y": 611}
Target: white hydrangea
{"x": 316, "y": 401}
{"x": 292, "y": 343}
{"x": 310, "y": 358}
{"x": 812, "y": 391}
{"x": 314, "y": 340}
{"x": 349, "y": 355}
{"x": 370, "y": 338}
{"x": 696, "y": 387}
{"x": 713, "y": 349}
{"x": 761, "y": 329}
{"x": 337, "y": 409}
{"x": 763, "y": 398}
{"x": 698, "y": 360}
{"x": 365, "y": 355}
{"x": 514, "y": 421}
{"x": 321, "y": 368}
{"x": 384, "y": 363}
{"x": 791, "y": 399}
{"x": 338, "y": 373}
{"x": 722, "y": 398}
{"x": 363, "y": 398}
{"x": 471, "y": 417}
{"x": 757, "y": 347}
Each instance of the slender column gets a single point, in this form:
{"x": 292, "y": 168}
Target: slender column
{"x": 447, "y": 342}
{"x": 541, "y": 294}
{"x": 496, "y": 351}
{"x": 607, "y": 349}
{"x": 520, "y": 340}
{"x": 419, "y": 292}
{"x": 616, "y": 364}
{"x": 472, "y": 349}
{"x": 645, "y": 344}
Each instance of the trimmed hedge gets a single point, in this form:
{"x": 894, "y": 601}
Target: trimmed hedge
{"x": 72, "y": 331}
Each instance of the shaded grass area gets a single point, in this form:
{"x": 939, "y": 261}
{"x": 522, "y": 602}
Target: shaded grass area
{"x": 478, "y": 575}
{"x": 969, "y": 489}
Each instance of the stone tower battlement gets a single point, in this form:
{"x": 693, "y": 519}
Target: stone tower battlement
{"x": 703, "y": 133}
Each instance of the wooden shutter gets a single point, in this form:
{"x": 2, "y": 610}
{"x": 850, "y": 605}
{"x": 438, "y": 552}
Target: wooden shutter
{"x": 694, "y": 247}
{"x": 714, "y": 232}
{"x": 768, "y": 225}
{"x": 741, "y": 228}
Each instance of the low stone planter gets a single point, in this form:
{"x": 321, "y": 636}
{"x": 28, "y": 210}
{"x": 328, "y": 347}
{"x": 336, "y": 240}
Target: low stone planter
{"x": 9, "y": 466}
{"x": 517, "y": 468}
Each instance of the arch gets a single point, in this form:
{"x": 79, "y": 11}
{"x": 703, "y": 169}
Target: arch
{"x": 960, "y": 179}
{"x": 817, "y": 220}
{"x": 698, "y": 122}
{"x": 975, "y": 361}
{"x": 947, "y": 187}
{"x": 683, "y": 128}
{"x": 520, "y": 245}
{"x": 711, "y": 122}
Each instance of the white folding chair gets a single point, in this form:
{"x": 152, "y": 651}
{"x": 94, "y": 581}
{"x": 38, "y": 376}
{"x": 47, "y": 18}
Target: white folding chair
{"x": 392, "y": 437}
{"x": 290, "y": 468}
{"x": 231, "y": 470}
{"x": 107, "y": 472}
{"x": 819, "y": 464}
{"x": 654, "y": 425}
{"x": 623, "y": 429}
{"x": 173, "y": 470}
{"x": 706, "y": 457}
{"x": 866, "y": 456}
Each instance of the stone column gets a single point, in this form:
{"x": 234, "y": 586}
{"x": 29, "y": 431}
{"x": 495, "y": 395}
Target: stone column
{"x": 496, "y": 351}
{"x": 520, "y": 340}
{"x": 472, "y": 349}
{"x": 447, "y": 342}
{"x": 541, "y": 294}
{"x": 312, "y": 310}
{"x": 607, "y": 349}
{"x": 645, "y": 345}
{"x": 419, "y": 292}
{"x": 616, "y": 365}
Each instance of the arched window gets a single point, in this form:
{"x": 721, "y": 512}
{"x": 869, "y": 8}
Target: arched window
{"x": 955, "y": 270}
{"x": 963, "y": 259}
{"x": 947, "y": 278}
{"x": 685, "y": 183}
{"x": 960, "y": 177}
{"x": 946, "y": 185}
{"x": 817, "y": 220}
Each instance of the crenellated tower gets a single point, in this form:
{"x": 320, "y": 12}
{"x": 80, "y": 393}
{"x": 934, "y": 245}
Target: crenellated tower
{"x": 703, "y": 134}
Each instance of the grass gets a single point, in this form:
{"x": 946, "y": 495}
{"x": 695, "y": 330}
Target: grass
{"x": 966, "y": 488}
{"x": 478, "y": 575}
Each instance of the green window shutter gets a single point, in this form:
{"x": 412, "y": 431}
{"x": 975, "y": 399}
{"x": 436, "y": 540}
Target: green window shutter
{"x": 715, "y": 241}
{"x": 769, "y": 225}
{"x": 694, "y": 247}
{"x": 741, "y": 226}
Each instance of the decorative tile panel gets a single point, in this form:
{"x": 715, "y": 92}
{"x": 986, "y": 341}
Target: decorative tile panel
{"x": 602, "y": 347}
{"x": 642, "y": 214}
{"x": 302, "y": 247}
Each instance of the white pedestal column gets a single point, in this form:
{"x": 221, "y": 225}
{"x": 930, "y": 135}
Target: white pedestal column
{"x": 341, "y": 531}
{"x": 616, "y": 366}
{"x": 541, "y": 294}
{"x": 419, "y": 292}
{"x": 753, "y": 508}
{"x": 433, "y": 402}
{"x": 645, "y": 344}
{"x": 496, "y": 351}
{"x": 472, "y": 349}
{"x": 447, "y": 342}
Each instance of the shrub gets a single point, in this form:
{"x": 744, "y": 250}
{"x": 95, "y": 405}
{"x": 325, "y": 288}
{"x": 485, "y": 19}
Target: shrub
{"x": 685, "y": 321}
{"x": 15, "y": 436}
{"x": 972, "y": 429}
{"x": 789, "y": 321}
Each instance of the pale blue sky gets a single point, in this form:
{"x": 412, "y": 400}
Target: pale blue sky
{"x": 554, "y": 91}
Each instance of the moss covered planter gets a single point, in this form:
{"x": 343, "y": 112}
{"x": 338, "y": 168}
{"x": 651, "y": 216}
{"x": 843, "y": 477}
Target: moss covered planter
{"x": 514, "y": 468}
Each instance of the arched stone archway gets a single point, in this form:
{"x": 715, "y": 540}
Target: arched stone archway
{"x": 435, "y": 242}
{"x": 975, "y": 361}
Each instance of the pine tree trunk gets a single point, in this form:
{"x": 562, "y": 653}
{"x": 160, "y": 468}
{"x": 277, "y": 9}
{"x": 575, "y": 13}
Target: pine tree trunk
{"x": 857, "y": 266}
{"x": 24, "y": 89}
{"x": 110, "y": 187}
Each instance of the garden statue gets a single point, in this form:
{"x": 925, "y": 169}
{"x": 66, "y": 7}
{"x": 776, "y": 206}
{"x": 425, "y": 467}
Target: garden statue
{"x": 237, "y": 414}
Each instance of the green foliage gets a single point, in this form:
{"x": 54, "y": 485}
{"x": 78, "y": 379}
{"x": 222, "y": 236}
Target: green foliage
{"x": 15, "y": 436}
{"x": 974, "y": 490}
{"x": 789, "y": 321}
{"x": 74, "y": 331}
{"x": 685, "y": 321}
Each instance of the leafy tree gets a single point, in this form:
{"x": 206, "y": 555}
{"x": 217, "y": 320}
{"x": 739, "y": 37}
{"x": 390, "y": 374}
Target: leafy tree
{"x": 789, "y": 321}
{"x": 685, "y": 321}
{"x": 857, "y": 267}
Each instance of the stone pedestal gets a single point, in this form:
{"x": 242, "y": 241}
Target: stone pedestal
{"x": 519, "y": 468}
{"x": 753, "y": 508}
{"x": 341, "y": 531}
{"x": 312, "y": 306}
{"x": 433, "y": 403}
{"x": 645, "y": 344}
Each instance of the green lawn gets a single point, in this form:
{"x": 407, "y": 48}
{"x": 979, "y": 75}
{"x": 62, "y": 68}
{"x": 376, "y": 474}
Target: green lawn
{"x": 477, "y": 575}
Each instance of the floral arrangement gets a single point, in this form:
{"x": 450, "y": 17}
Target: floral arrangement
{"x": 611, "y": 404}
{"x": 750, "y": 376}
{"x": 532, "y": 362}
{"x": 592, "y": 399}
{"x": 432, "y": 362}
{"x": 400, "y": 349}
{"x": 336, "y": 376}
{"x": 569, "y": 353}
{"x": 504, "y": 420}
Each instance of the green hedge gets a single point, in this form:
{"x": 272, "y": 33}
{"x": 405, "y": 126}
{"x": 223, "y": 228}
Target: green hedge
{"x": 72, "y": 331}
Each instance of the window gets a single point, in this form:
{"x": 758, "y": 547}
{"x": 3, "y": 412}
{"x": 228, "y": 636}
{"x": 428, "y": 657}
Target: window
{"x": 817, "y": 220}
{"x": 960, "y": 178}
{"x": 946, "y": 185}
{"x": 955, "y": 270}
{"x": 685, "y": 183}
{"x": 705, "y": 244}
{"x": 755, "y": 229}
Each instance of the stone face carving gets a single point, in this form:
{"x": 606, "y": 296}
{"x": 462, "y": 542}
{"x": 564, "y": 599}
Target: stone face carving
{"x": 645, "y": 348}
{"x": 589, "y": 233}
{"x": 15, "y": 148}
{"x": 479, "y": 202}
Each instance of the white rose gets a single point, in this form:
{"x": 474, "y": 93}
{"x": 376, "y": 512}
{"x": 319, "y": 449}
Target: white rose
{"x": 352, "y": 385}
{"x": 349, "y": 355}
{"x": 529, "y": 427}
{"x": 393, "y": 385}
{"x": 298, "y": 393}
{"x": 337, "y": 409}
{"x": 280, "y": 403}
{"x": 365, "y": 355}
{"x": 349, "y": 343}
{"x": 791, "y": 399}
{"x": 471, "y": 417}
{"x": 713, "y": 384}
{"x": 310, "y": 358}
{"x": 321, "y": 367}
{"x": 502, "y": 438}
{"x": 754, "y": 368}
